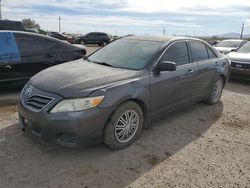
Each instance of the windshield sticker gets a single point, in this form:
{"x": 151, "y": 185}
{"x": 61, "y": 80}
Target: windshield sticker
{"x": 9, "y": 51}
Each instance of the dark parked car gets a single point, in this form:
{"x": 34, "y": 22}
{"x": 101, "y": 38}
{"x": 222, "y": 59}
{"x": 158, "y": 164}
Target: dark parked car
{"x": 240, "y": 62}
{"x": 11, "y": 25}
{"x": 24, "y": 54}
{"x": 61, "y": 36}
{"x": 115, "y": 92}
{"x": 213, "y": 42}
{"x": 229, "y": 45}
{"x": 99, "y": 38}
{"x": 31, "y": 30}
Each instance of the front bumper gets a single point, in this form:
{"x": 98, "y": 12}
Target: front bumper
{"x": 240, "y": 73}
{"x": 68, "y": 128}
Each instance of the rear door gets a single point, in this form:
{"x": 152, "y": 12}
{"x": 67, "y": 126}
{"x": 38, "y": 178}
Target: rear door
{"x": 170, "y": 89}
{"x": 207, "y": 61}
{"x": 90, "y": 38}
{"x": 36, "y": 55}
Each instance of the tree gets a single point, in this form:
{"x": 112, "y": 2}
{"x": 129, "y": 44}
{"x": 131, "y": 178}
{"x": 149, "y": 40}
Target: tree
{"x": 30, "y": 24}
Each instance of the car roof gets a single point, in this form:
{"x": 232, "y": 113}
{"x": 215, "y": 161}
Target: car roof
{"x": 97, "y": 33}
{"x": 10, "y": 21}
{"x": 234, "y": 40}
{"x": 38, "y": 35}
{"x": 162, "y": 39}
{"x": 22, "y": 32}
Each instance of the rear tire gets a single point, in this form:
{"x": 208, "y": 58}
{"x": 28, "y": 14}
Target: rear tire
{"x": 215, "y": 92}
{"x": 124, "y": 126}
{"x": 82, "y": 42}
{"x": 104, "y": 43}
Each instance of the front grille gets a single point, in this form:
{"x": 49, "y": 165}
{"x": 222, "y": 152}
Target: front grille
{"x": 37, "y": 102}
{"x": 240, "y": 76}
{"x": 240, "y": 65}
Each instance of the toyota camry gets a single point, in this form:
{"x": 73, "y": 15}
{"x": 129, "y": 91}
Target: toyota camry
{"x": 112, "y": 94}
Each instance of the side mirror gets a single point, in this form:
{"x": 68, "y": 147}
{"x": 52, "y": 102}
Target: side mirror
{"x": 165, "y": 66}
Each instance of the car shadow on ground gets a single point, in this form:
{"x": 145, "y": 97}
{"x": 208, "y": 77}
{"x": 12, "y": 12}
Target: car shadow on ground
{"x": 238, "y": 86}
{"x": 27, "y": 161}
{"x": 9, "y": 96}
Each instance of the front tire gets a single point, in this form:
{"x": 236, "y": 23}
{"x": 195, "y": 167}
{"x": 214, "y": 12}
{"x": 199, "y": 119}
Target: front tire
{"x": 216, "y": 91}
{"x": 124, "y": 126}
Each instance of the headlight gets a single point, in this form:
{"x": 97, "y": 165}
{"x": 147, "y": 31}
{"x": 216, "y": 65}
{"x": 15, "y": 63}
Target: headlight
{"x": 72, "y": 105}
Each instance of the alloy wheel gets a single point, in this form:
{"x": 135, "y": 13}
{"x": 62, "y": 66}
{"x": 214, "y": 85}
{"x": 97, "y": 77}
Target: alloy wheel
{"x": 126, "y": 126}
{"x": 217, "y": 89}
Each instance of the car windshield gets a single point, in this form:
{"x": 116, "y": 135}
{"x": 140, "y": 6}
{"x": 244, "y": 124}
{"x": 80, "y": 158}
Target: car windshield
{"x": 245, "y": 48}
{"x": 126, "y": 53}
{"x": 229, "y": 44}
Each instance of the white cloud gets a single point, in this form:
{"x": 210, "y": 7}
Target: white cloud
{"x": 170, "y": 5}
{"x": 179, "y": 15}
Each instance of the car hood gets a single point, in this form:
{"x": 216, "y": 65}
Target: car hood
{"x": 224, "y": 49}
{"x": 245, "y": 57}
{"x": 80, "y": 46}
{"x": 79, "y": 78}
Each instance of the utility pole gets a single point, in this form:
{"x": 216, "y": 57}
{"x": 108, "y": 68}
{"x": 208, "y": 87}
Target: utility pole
{"x": 242, "y": 29}
{"x": 0, "y": 9}
{"x": 163, "y": 31}
{"x": 59, "y": 23}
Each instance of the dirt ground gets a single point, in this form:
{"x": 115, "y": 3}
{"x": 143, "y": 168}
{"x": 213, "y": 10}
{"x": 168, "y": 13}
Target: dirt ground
{"x": 202, "y": 146}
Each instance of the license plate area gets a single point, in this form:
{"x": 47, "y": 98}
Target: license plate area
{"x": 22, "y": 122}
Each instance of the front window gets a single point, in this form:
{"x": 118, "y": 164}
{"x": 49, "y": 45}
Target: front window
{"x": 125, "y": 53}
{"x": 229, "y": 44}
{"x": 177, "y": 53}
{"x": 245, "y": 48}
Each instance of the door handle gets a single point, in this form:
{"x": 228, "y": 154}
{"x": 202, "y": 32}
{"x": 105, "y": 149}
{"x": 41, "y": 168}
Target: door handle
{"x": 6, "y": 66}
{"x": 190, "y": 71}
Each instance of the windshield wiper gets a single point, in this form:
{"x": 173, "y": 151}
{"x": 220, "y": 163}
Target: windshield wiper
{"x": 86, "y": 58}
{"x": 100, "y": 63}
{"x": 104, "y": 63}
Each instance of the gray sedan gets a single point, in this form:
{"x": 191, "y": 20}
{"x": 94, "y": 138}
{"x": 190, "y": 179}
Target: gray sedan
{"x": 229, "y": 45}
{"x": 240, "y": 62}
{"x": 116, "y": 91}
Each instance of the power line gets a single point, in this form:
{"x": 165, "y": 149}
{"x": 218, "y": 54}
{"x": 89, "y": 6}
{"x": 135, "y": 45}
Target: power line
{"x": 0, "y": 9}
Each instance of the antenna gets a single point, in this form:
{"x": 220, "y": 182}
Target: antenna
{"x": 242, "y": 29}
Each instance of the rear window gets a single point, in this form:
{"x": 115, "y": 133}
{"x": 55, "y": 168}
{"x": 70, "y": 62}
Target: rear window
{"x": 38, "y": 43}
{"x": 199, "y": 51}
{"x": 211, "y": 54}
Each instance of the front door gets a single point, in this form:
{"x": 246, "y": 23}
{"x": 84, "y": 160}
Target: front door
{"x": 9, "y": 53}
{"x": 170, "y": 89}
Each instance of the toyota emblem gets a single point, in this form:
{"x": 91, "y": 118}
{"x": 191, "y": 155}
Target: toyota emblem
{"x": 27, "y": 91}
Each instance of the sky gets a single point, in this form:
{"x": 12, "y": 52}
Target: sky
{"x": 140, "y": 17}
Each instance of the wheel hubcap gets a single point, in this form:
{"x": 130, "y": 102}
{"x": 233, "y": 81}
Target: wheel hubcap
{"x": 126, "y": 126}
{"x": 217, "y": 89}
